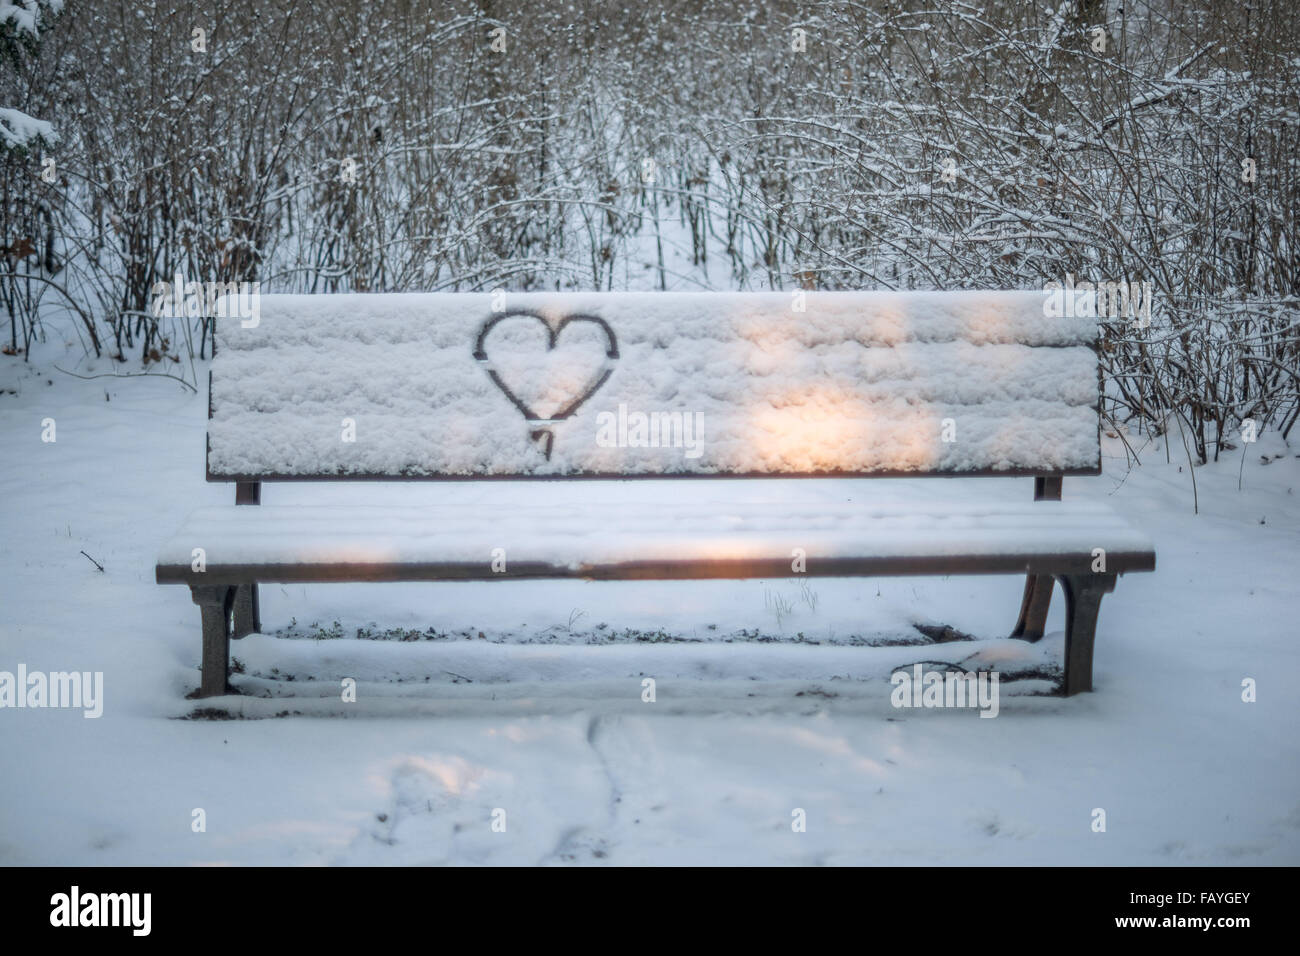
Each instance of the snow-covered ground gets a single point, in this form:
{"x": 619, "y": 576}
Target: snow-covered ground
{"x": 527, "y": 697}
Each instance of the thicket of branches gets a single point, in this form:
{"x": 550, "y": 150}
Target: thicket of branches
{"x": 388, "y": 146}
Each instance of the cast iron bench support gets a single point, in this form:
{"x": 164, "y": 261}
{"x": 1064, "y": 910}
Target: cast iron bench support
{"x": 1038, "y": 587}
{"x": 215, "y": 603}
{"x": 1083, "y": 594}
{"x": 247, "y": 615}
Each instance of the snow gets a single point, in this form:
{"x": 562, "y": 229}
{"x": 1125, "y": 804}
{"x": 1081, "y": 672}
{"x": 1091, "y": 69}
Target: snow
{"x": 543, "y": 716}
{"x": 703, "y": 528}
{"x": 19, "y": 129}
{"x": 25, "y": 17}
{"x": 859, "y": 382}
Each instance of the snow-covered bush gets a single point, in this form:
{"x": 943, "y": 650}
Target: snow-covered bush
{"x": 475, "y": 144}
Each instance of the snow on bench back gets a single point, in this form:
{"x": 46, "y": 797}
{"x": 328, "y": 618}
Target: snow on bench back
{"x": 645, "y": 384}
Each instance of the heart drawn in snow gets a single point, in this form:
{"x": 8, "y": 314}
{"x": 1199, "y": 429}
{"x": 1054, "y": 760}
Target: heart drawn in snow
{"x": 546, "y": 373}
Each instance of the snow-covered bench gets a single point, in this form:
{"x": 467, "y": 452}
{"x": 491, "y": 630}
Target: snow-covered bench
{"x": 653, "y": 385}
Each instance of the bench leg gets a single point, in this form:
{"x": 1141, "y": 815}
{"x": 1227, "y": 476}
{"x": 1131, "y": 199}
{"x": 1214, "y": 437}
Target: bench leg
{"x": 1083, "y": 594}
{"x": 1034, "y": 607}
{"x": 215, "y": 602}
{"x": 248, "y": 616}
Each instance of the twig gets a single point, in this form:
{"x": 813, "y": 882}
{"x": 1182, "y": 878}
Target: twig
{"x": 175, "y": 378}
{"x": 93, "y": 561}
{"x": 1120, "y": 434}
{"x": 1191, "y": 468}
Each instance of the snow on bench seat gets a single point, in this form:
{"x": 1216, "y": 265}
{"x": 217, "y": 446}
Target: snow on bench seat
{"x": 756, "y": 539}
{"x": 845, "y": 383}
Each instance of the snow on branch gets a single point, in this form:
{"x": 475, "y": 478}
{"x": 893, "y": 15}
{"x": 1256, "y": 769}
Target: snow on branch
{"x": 18, "y": 130}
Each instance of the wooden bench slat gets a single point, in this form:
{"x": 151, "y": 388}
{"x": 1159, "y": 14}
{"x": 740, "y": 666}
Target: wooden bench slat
{"x": 331, "y": 543}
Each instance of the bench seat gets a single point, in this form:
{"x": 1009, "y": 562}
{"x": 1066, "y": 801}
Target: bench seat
{"x": 735, "y": 540}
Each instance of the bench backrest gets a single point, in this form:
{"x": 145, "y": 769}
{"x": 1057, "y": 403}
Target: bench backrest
{"x": 601, "y": 385}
